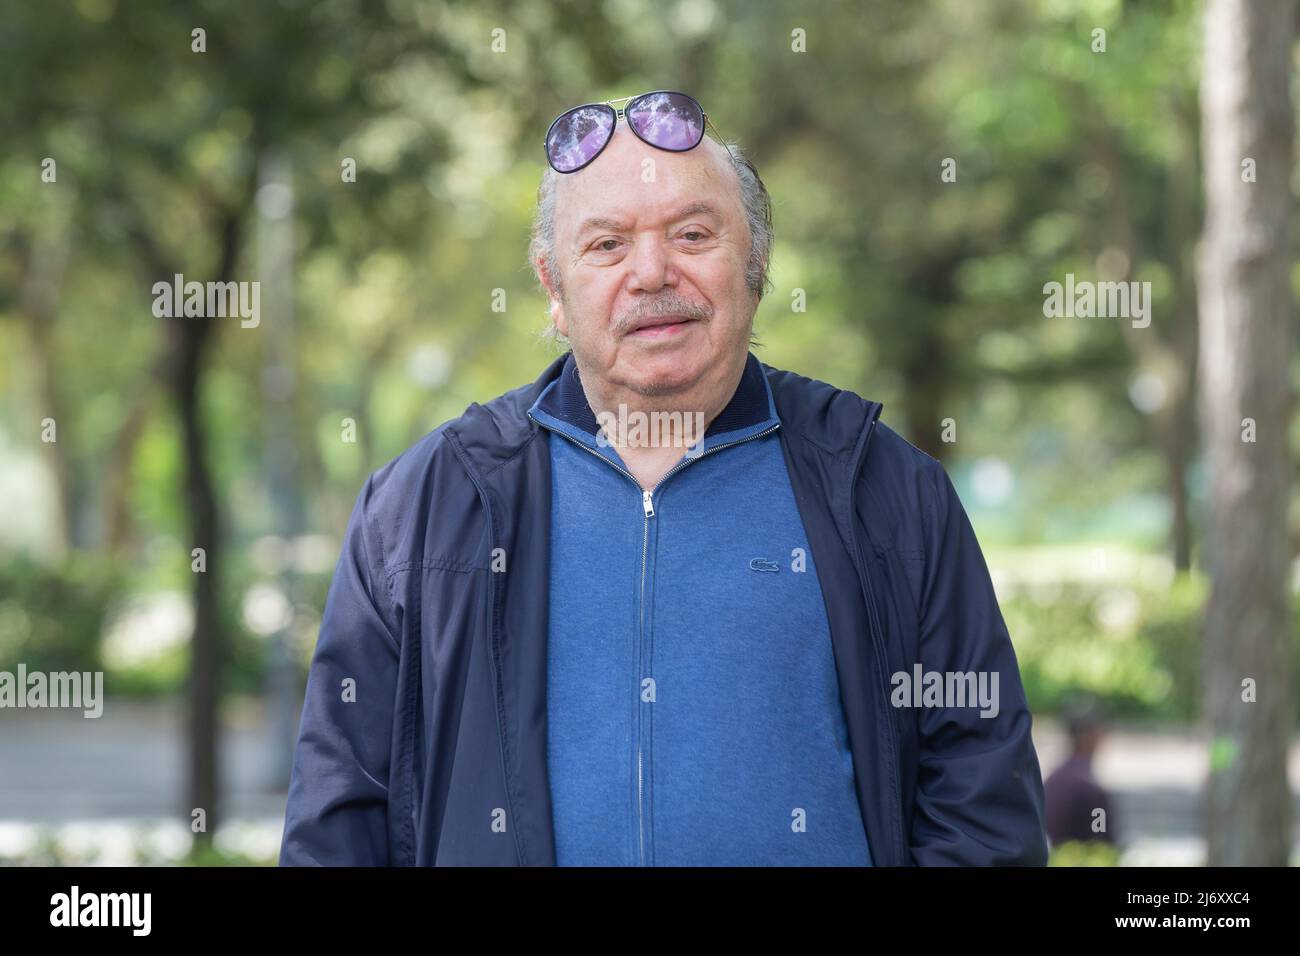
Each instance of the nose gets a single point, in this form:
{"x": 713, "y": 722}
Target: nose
{"x": 650, "y": 265}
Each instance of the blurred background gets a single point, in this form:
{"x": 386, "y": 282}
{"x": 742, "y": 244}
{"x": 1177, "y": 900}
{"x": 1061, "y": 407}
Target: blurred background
{"x": 933, "y": 164}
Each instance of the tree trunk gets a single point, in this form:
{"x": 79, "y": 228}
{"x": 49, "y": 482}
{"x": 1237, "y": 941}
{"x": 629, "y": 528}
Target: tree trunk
{"x": 188, "y": 340}
{"x": 1246, "y": 347}
{"x": 190, "y": 344}
{"x": 205, "y": 650}
{"x": 926, "y": 373}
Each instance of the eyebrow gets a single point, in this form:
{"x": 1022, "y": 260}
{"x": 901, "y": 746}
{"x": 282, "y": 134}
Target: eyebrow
{"x": 699, "y": 208}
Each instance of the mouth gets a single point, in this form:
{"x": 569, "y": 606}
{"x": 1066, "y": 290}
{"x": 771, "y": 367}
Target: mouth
{"x": 660, "y": 326}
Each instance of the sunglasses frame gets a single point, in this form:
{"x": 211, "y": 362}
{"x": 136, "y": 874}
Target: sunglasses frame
{"x": 620, "y": 114}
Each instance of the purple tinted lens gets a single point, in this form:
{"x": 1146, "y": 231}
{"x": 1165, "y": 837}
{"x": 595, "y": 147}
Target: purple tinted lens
{"x": 668, "y": 120}
{"x": 577, "y": 136}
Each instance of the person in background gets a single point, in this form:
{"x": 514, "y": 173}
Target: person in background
{"x": 1078, "y": 806}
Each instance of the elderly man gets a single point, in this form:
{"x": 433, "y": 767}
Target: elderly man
{"x": 666, "y": 605}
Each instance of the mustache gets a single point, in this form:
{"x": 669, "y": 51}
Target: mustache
{"x": 665, "y": 305}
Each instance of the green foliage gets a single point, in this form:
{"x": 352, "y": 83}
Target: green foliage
{"x": 1145, "y": 663}
{"x": 1083, "y": 853}
{"x": 159, "y": 676}
{"x": 1142, "y": 665}
{"x": 51, "y": 616}
{"x": 208, "y": 855}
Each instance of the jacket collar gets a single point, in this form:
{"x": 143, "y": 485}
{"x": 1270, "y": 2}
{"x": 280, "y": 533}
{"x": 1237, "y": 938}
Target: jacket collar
{"x": 829, "y": 418}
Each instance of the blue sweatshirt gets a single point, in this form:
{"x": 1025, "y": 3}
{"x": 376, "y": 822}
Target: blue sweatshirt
{"x": 694, "y": 715}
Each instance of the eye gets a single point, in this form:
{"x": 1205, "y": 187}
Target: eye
{"x": 693, "y": 232}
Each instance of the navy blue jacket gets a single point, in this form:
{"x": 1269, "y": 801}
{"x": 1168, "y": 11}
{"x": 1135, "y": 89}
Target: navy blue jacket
{"x": 423, "y": 733}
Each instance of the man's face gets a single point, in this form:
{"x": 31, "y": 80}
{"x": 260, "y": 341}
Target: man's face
{"x": 653, "y": 273}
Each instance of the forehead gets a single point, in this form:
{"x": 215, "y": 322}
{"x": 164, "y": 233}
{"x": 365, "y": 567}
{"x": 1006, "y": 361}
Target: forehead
{"x": 614, "y": 188}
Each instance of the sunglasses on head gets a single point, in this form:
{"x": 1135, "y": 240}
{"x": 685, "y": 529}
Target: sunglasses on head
{"x": 663, "y": 119}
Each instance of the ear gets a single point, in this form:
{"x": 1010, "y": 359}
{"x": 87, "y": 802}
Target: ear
{"x": 552, "y": 291}
{"x": 557, "y": 317}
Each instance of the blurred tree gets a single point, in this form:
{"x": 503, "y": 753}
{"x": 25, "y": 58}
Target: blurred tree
{"x": 1246, "y": 349}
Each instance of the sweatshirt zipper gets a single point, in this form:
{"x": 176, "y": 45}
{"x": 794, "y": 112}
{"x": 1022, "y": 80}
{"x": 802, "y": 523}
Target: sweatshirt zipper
{"x": 648, "y": 512}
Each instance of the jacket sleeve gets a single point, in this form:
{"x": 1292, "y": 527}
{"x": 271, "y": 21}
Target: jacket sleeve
{"x": 338, "y": 790}
{"x": 979, "y": 797}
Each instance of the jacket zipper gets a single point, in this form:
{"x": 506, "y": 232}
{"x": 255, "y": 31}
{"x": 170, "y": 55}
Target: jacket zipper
{"x": 877, "y": 650}
{"x": 648, "y": 512}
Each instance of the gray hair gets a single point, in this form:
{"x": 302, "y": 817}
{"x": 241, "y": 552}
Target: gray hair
{"x": 753, "y": 198}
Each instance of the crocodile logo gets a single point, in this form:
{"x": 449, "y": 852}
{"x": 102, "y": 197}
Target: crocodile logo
{"x": 761, "y": 564}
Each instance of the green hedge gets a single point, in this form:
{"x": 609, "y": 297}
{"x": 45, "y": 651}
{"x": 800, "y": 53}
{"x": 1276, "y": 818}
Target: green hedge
{"x": 1149, "y": 667}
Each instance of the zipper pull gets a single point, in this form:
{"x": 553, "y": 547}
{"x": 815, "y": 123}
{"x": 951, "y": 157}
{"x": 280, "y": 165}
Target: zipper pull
{"x": 647, "y": 505}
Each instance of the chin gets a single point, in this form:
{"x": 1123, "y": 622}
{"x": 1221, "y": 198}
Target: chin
{"x": 656, "y": 387}
{"x": 663, "y": 374}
